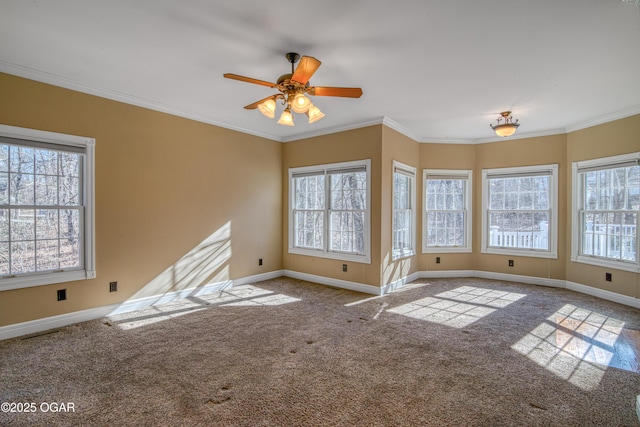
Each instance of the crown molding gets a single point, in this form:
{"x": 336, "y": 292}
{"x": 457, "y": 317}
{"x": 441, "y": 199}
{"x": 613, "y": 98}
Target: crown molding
{"x": 59, "y": 81}
{"x": 333, "y": 129}
{"x": 55, "y": 80}
{"x": 632, "y": 111}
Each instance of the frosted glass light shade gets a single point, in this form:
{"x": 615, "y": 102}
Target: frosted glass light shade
{"x": 286, "y": 118}
{"x": 300, "y": 104}
{"x": 268, "y": 108}
{"x": 506, "y": 129}
{"x": 314, "y": 114}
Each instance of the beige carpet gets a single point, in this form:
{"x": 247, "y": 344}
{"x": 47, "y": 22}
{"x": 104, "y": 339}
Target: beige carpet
{"x": 456, "y": 352}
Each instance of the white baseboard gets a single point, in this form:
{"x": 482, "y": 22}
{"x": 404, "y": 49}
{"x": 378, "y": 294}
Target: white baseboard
{"x": 531, "y": 280}
{"x": 601, "y": 293}
{"x": 337, "y": 283}
{"x": 443, "y": 274}
{"x": 47, "y": 323}
{"x": 52, "y": 322}
{"x": 397, "y": 284}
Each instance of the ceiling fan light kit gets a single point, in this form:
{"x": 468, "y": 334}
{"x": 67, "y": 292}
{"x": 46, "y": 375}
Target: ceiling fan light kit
{"x": 294, "y": 89}
{"x": 508, "y": 128}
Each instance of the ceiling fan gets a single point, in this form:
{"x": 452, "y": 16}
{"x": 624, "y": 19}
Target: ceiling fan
{"x": 294, "y": 88}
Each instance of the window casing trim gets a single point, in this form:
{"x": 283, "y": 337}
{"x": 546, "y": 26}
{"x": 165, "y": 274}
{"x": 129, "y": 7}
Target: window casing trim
{"x": 410, "y": 172}
{"x": 87, "y": 145}
{"x": 522, "y": 171}
{"x": 328, "y": 169}
{"x": 463, "y": 174}
{"x": 577, "y": 202}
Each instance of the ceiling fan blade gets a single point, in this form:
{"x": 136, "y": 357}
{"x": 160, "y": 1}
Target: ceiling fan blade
{"x": 249, "y": 80}
{"x": 255, "y": 104}
{"x": 307, "y": 66}
{"x": 346, "y": 92}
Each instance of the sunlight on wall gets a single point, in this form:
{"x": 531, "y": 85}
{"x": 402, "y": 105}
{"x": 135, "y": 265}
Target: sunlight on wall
{"x": 578, "y": 344}
{"x": 394, "y": 271}
{"x": 459, "y": 307}
{"x": 239, "y": 296}
{"x": 204, "y": 264}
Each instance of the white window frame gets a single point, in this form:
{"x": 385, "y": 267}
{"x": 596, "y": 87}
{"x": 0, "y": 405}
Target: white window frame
{"x": 326, "y": 170}
{"x": 522, "y": 171}
{"x": 410, "y": 172}
{"x": 577, "y": 204}
{"x": 462, "y": 174}
{"x": 87, "y": 220}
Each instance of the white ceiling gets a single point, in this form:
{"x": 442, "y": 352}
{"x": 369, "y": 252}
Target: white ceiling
{"x": 439, "y": 71}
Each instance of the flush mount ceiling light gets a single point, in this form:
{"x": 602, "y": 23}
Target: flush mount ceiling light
{"x": 507, "y": 128}
{"x": 636, "y": 2}
{"x": 294, "y": 88}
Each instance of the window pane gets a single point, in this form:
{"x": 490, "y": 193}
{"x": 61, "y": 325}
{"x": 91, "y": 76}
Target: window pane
{"x": 47, "y": 224}
{"x": 4, "y": 158}
{"x": 46, "y": 190}
{"x": 4, "y": 258}
{"x": 21, "y": 189}
{"x": 21, "y": 159}
{"x": 4, "y": 188}
{"x": 609, "y": 225}
{"x": 23, "y": 257}
{"x": 348, "y": 191}
{"x": 445, "y": 219}
{"x": 4, "y": 225}
{"x": 69, "y": 253}
{"x": 22, "y": 225}
{"x": 47, "y": 258}
{"x": 46, "y": 162}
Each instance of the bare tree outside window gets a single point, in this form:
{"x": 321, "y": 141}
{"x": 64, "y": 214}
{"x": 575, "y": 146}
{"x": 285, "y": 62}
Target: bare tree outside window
{"x": 519, "y": 212}
{"x": 40, "y": 210}
{"x": 329, "y": 210}
{"x": 446, "y": 212}
{"x": 609, "y": 217}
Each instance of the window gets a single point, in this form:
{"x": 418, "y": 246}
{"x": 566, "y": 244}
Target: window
{"x": 447, "y": 214}
{"x": 46, "y": 208}
{"x": 404, "y": 200}
{"x": 329, "y": 214}
{"x": 606, "y": 207}
{"x": 519, "y": 211}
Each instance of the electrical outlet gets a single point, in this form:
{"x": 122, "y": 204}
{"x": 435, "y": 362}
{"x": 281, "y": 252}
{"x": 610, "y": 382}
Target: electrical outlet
{"x": 437, "y": 260}
{"x": 260, "y": 261}
{"x": 344, "y": 267}
{"x": 608, "y": 277}
{"x": 113, "y": 286}
{"x": 511, "y": 263}
{"x": 62, "y": 294}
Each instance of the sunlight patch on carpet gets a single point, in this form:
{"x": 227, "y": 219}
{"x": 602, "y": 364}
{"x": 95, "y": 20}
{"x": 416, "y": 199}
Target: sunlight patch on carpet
{"x": 578, "y": 345}
{"x": 238, "y": 296}
{"x": 155, "y": 314}
{"x": 458, "y": 307}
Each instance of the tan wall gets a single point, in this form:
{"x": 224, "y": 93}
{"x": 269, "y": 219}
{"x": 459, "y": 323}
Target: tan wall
{"x": 182, "y": 204}
{"x": 178, "y": 203}
{"x": 398, "y": 147}
{"x": 447, "y": 156}
{"x": 359, "y": 144}
{"x": 609, "y": 139}
{"x": 522, "y": 152}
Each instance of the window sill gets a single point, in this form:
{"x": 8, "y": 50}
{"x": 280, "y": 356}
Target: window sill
{"x": 612, "y": 264}
{"x": 398, "y": 255}
{"x": 32, "y": 280}
{"x": 520, "y": 252}
{"x": 364, "y": 259}
{"x": 446, "y": 249}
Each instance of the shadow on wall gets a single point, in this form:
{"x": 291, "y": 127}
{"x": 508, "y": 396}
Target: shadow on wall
{"x": 204, "y": 266}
